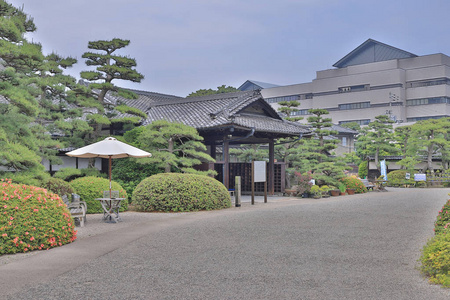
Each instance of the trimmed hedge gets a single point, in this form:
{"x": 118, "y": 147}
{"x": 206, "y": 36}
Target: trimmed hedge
{"x": 58, "y": 186}
{"x": 436, "y": 259}
{"x": 91, "y": 187}
{"x": 32, "y": 219}
{"x": 351, "y": 182}
{"x": 398, "y": 178}
{"x": 443, "y": 219}
{"x": 180, "y": 192}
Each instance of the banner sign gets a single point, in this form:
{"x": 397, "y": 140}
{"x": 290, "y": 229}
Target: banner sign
{"x": 383, "y": 169}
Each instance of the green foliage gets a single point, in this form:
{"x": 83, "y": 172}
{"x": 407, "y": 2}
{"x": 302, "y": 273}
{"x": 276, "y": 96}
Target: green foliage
{"x": 377, "y": 139}
{"x": 173, "y": 146}
{"x": 363, "y": 170}
{"x": 352, "y": 182}
{"x": 398, "y": 178}
{"x": 127, "y": 109}
{"x": 128, "y": 172}
{"x": 58, "y": 186}
{"x": 89, "y": 188}
{"x": 435, "y": 259}
{"x": 328, "y": 172}
{"x": 180, "y": 192}
{"x": 220, "y": 90}
{"x": 443, "y": 219}
{"x": 69, "y": 174}
{"x": 289, "y": 107}
{"x": 32, "y": 219}
{"x": 315, "y": 190}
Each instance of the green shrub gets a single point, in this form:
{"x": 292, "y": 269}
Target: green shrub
{"x": 180, "y": 192}
{"x": 398, "y": 178}
{"x": 32, "y": 219}
{"x": 443, "y": 219}
{"x": 58, "y": 186}
{"x": 362, "y": 170}
{"x": 129, "y": 173}
{"x": 89, "y": 188}
{"x": 435, "y": 259}
{"x": 69, "y": 174}
{"x": 351, "y": 182}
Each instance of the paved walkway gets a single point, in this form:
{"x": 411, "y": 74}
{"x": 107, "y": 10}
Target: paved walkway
{"x": 346, "y": 247}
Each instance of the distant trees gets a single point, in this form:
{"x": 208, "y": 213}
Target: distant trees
{"x": 220, "y": 90}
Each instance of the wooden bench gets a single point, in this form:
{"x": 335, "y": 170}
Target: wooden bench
{"x": 369, "y": 185}
{"x": 77, "y": 209}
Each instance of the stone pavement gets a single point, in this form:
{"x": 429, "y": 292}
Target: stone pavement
{"x": 346, "y": 247}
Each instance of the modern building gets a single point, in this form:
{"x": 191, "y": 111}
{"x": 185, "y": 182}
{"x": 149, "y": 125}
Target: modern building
{"x": 372, "y": 80}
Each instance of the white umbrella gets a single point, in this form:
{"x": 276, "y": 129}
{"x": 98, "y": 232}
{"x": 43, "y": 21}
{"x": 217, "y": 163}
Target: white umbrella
{"x": 109, "y": 148}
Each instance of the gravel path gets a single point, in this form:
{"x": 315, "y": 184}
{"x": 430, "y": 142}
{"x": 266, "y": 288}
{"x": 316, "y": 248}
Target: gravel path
{"x": 347, "y": 247}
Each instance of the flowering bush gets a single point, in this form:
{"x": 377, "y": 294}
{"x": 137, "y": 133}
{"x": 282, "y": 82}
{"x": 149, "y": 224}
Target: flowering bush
{"x": 32, "y": 219}
{"x": 303, "y": 182}
{"x": 436, "y": 258}
{"x": 352, "y": 182}
{"x": 58, "y": 186}
{"x": 89, "y": 188}
{"x": 443, "y": 219}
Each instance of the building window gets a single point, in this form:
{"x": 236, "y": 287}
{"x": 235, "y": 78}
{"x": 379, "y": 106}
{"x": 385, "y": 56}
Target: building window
{"x": 283, "y": 98}
{"x": 357, "y": 105}
{"x": 300, "y": 112}
{"x": 424, "y": 118}
{"x": 344, "y": 141}
{"x": 425, "y": 101}
{"x": 354, "y": 88}
{"x": 438, "y": 81}
{"x": 360, "y": 122}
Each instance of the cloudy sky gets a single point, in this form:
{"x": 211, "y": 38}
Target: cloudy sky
{"x": 182, "y": 46}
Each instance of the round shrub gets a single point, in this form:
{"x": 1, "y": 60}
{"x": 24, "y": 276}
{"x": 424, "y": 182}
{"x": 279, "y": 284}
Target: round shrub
{"x": 435, "y": 259}
{"x": 89, "y": 188}
{"x": 398, "y": 178}
{"x": 443, "y": 219}
{"x": 58, "y": 186}
{"x": 351, "y": 182}
{"x": 363, "y": 171}
{"x": 180, "y": 192}
{"x": 32, "y": 219}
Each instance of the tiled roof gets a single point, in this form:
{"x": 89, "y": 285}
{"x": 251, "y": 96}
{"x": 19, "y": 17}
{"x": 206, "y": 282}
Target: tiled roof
{"x": 224, "y": 109}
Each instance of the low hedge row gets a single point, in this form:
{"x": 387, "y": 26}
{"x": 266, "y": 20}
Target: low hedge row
{"x": 173, "y": 192}
{"x": 435, "y": 257}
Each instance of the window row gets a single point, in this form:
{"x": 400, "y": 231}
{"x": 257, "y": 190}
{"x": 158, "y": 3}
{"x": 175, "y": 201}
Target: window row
{"x": 357, "y": 105}
{"x": 425, "y": 101}
{"x": 290, "y": 98}
{"x": 360, "y": 122}
{"x": 438, "y": 81}
{"x": 424, "y": 118}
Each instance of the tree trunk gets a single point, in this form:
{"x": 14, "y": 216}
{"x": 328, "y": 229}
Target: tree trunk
{"x": 167, "y": 169}
{"x": 430, "y": 157}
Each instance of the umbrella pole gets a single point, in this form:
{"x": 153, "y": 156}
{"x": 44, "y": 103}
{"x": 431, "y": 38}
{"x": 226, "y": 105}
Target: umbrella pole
{"x": 110, "y": 176}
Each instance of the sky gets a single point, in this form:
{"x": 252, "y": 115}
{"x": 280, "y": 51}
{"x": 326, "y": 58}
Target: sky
{"x": 182, "y": 46}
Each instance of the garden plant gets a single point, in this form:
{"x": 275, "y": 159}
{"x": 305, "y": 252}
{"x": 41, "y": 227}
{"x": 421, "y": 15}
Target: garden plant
{"x": 89, "y": 188}
{"x": 352, "y": 182}
{"x": 32, "y": 219}
{"x": 174, "y": 192}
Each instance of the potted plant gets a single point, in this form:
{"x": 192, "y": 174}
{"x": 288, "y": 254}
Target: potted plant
{"x": 325, "y": 191}
{"x": 315, "y": 190}
{"x": 334, "y": 191}
{"x": 351, "y": 191}
{"x": 342, "y": 188}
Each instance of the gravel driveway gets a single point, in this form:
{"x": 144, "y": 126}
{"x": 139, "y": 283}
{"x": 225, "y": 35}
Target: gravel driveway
{"x": 346, "y": 247}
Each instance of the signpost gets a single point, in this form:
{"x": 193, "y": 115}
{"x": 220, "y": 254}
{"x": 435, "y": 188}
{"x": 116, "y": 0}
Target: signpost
{"x": 259, "y": 175}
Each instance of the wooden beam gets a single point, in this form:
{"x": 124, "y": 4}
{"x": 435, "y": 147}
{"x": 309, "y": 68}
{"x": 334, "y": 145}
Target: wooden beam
{"x": 271, "y": 167}
{"x": 226, "y": 163}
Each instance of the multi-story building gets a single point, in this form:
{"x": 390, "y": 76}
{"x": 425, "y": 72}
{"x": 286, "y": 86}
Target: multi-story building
{"x": 375, "y": 79}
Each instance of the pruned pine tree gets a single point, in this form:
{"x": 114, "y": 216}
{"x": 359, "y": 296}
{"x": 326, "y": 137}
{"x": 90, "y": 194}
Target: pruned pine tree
{"x": 377, "y": 139}
{"x": 288, "y": 108}
{"x": 174, "y": 147}
{"x": 109, "y": 66}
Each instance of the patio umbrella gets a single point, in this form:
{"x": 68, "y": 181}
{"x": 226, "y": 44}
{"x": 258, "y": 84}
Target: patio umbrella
{"x": 109, "y": 148}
